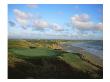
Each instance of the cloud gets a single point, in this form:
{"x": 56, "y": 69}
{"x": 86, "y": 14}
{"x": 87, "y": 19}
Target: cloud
{"x": 83, "y": 22}
{"x": 40, "y": 24}
{"x": 36, "y": 22}
{"x": 11, "y": 23}
{"x": 56, "y": 27}
{"x": 21, "y": 17}
{"x": 99, "y": 26}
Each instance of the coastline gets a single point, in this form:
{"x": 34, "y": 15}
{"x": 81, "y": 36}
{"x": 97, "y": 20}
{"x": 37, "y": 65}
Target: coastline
{"x": 66, "y": 64}
{"x": 73, "y": 49}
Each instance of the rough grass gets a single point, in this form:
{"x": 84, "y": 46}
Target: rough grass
{"x": 53, "y": 68}
{"x": 76, "y": 62}
{"x": 94, "y": 59}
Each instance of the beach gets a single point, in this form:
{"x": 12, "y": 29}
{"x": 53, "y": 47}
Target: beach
{"x": 73, "y": 48}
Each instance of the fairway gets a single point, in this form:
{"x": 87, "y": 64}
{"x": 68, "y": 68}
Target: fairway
{"x": 34, "y": 52}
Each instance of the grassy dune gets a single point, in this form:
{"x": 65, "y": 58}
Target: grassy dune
{"x": 46, "y": 59}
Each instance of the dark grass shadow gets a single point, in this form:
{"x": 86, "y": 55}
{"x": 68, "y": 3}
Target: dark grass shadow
{"x": 45, "y": 68}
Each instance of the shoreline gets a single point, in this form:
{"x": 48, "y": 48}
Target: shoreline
{"x": 75, "y": 49}
{"x": 79, "y": 50}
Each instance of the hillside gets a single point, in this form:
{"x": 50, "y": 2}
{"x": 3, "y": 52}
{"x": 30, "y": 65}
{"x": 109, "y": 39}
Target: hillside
{"x": 27, "y": 60}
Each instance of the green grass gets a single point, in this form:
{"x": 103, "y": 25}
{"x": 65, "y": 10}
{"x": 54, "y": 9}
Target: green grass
{"x": 72, "y": 59}
{"x": 39, "y": 62}
{"x": 94, "y": 59}
{"x": 75, "y": 61}
{"x": 36, "y": 52}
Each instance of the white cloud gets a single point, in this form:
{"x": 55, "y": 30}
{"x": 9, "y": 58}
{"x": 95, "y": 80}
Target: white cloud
{"x": 40, "y": 24}
{"x": 56, "y": 27}
{"x": 99, "y": 26}
{"x": 81, "y": 17}
{"x": 83, "y": 22}
{"x": 21, "y": 17}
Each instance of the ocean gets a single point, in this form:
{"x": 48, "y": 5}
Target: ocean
{"x": 93, "y": 47}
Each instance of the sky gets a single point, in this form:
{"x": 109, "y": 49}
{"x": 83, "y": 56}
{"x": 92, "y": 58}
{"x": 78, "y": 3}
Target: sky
{"x": 55, "y": 21}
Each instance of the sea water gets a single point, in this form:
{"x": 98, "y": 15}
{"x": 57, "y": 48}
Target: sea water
{"x": 93, "y": 47}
